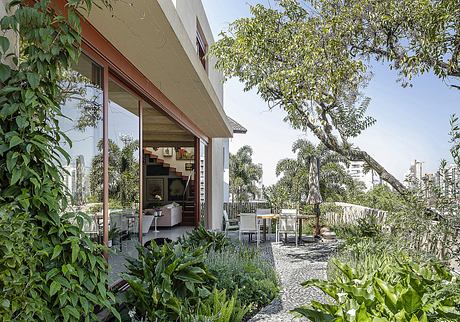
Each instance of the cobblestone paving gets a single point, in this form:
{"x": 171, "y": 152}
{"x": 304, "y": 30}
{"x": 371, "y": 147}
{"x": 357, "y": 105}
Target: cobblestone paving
{"x": 294, "y": 266}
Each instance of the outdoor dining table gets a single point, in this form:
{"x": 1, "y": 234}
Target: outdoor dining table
{"x": 264, "y": 217}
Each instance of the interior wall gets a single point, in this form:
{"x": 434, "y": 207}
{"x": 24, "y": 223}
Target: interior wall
{"x": 172, "y": 160}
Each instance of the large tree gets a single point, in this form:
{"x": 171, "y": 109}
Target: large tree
{"x": 244, "y": 175}
{"x": 312, "y": 59}
{"x": 334, "y": 179}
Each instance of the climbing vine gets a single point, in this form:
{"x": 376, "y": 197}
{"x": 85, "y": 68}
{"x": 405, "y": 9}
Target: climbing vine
{"x": 49, "y": 269}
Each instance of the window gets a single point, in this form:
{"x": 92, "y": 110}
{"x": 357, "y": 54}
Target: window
{"x": 201, "y": 45}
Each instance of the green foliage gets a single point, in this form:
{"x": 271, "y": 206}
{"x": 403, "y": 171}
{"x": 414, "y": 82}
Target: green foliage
{"x": 411, "y": 293}
{"x": 298, "y": 58}
{"x": 49, "y": 268}
{"x": 123, "y": 172}
{"x": 277, "y": 196}
{"x": 334, "y": 179}
{"x": 243, "y": 175}
{"x": 201, "y": 237}
{"x": 379, "y": 197}
{"x": 172, "y": 282}
{"x": 243, "y": 269}
{"x": 219, "y": 308}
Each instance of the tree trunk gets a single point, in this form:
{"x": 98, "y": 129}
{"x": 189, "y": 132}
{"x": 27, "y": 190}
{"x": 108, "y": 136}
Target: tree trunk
{"x": 331, "y": 142}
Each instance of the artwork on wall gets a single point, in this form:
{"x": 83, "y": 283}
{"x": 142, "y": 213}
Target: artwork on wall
{"x": 185, "y": 153}
{"x": 176, "y": 188}
{"x": 167, "y": 152}
{"x": 188, "y": 166}
{"x": 154, "y": 189}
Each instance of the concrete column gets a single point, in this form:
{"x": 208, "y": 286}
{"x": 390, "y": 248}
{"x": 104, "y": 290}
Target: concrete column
{"x": 215, "y": 183}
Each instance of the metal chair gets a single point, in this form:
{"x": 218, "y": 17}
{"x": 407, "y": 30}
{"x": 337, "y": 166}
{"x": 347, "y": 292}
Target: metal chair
{"x": 230, "y": 224}
{"x": 248, "y": 224}
{"x": 287, "y": 223}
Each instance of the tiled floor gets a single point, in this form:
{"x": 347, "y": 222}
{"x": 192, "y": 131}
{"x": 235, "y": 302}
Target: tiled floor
{"x": 117, "y": 259}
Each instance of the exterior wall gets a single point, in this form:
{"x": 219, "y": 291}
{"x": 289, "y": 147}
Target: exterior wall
{"x": 12, "y": 37}
{"x": 226, "y": 152}
{"x": 189, "y": 12}
{"x": 215, "y": 186}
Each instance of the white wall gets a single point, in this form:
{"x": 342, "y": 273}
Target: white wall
{"x": 215, "y": 179}
{"x": 14, "y": 43}
{"x": 189, "y": 11}
{"x": 226, "y": 152}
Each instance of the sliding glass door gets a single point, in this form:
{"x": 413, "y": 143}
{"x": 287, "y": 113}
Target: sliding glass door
{"x": 124, "y": 174}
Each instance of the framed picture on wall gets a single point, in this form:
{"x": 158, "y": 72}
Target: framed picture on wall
{"x": 176, "y": 188}
{"x": 185, "y": 153}
{"x": 167, "y": 152}
{"x": 154, "y": 189}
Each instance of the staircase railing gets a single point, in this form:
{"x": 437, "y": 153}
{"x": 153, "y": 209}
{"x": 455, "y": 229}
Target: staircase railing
{"x": 187, "y": 184}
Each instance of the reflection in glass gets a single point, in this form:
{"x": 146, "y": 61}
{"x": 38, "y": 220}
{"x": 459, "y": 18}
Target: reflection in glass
{"x": 123, "y": 128}
{"x": 82, "y": 99}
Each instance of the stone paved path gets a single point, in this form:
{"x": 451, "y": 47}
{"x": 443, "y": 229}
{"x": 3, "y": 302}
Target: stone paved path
{"x": 295, "y": 265}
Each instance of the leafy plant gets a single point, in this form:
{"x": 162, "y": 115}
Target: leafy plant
{"x": 243, "y": 269}
{"x": 168, "y": 282}
{"x": 218, "y": 308}
{"x": 201, "y": 237}
{"x": 413, "y": 293}
{"x": 49, "y": 268}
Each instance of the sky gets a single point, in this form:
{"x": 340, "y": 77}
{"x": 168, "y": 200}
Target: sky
{"x": 412, "y": 123}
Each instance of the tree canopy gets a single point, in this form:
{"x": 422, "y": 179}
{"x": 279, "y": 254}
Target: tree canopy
{"x": 313, "y": 59}
{"x": 334, "y": 179}
{"x": 244, "y": 174}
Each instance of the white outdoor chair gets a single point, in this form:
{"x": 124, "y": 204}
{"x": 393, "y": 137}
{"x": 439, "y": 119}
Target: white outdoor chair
{"x": 264, "y": 211}
{"x": 230, "y": 224}
{"x": 287, "y": 223}
{"x": 248, "y": 224}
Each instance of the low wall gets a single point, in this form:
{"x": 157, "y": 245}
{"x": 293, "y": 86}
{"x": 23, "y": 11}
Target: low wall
{"x": 350, "y": 213}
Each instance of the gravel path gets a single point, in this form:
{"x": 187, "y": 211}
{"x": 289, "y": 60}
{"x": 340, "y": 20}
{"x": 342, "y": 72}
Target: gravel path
{"x": 294, "y": 266}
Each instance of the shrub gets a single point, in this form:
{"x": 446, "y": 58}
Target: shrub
{"x": 405, "y": 291}
{"x": 202, "y": 237}
{"x": 243, "y": 269}
{"x": 218, "y": 308}
{"x": 172, "y": 283}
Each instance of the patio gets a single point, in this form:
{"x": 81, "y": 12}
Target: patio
{"x": 117, "y": 259}
{"x": 294, "y": 266}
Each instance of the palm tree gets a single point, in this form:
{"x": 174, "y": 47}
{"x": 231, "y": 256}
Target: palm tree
{"x": 244, "y": 175}
{"x": 294, "y": 173}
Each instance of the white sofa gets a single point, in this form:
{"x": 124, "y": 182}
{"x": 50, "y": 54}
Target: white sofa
{"x": 171, "y": 216}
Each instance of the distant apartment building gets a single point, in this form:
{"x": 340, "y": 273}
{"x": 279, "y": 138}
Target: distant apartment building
{"x": 358, "y": 172}
{"x": 415, "y": 174}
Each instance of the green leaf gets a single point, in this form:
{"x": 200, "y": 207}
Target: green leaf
{"x": 33, "y": 79}
{"x": 411, "y": 300}
{"x": 75, "y": 251}
{"x": 57, "y": 250}
{"x": 15, "y": 140}
{"x": 314, "y": 316}
{"x": 4, "y": 43}
{"x": 5, "y": 72}
{"x": 54, "y": 288}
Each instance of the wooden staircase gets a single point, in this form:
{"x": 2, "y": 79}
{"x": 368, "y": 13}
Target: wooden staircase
{"x": 188, "y": 205}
